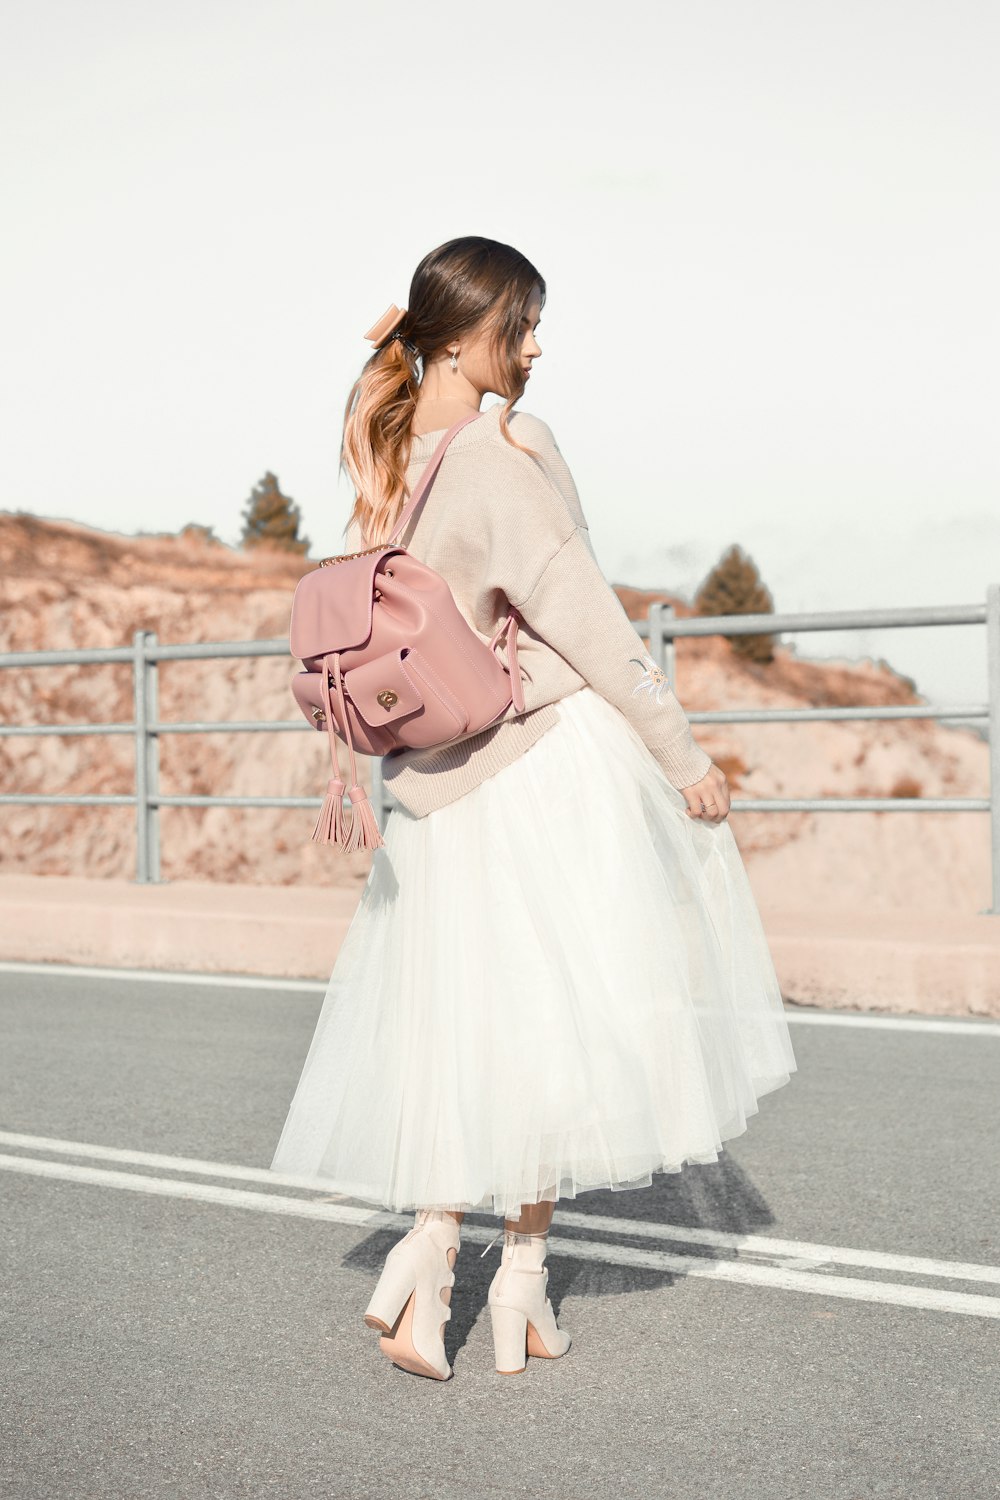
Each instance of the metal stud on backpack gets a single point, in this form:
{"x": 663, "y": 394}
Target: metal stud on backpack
{"x": 390, "y": 662}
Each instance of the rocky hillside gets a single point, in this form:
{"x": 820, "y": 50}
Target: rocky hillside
{"x": 65, "y": 585}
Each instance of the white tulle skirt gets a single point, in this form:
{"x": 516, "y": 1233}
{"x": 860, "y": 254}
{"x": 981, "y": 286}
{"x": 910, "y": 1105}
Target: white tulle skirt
{"x": 559, "y": 982}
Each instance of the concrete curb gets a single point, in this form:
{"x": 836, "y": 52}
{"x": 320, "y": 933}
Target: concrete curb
{"x": 183, "y": 925}
{"x": 924, "y": 962}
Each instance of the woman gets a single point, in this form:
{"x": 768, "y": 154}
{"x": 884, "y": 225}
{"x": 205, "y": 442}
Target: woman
{"x": 556, "y": 979}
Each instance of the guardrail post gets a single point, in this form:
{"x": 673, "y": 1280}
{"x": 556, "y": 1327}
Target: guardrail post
{"x": 144, "y": 697}
{"x": 662, "y": 646}
{"x": 152, "y": 671}
{"x": 655, "y": 626}
{"x": 993, "y": 705}
{"x": 669, "y": 662}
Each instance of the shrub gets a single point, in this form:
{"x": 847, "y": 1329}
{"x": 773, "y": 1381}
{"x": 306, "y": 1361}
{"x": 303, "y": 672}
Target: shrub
{"x": 734, "y": 587}
{"x": 272, "y": 519}
{"x": 197, "y": 533}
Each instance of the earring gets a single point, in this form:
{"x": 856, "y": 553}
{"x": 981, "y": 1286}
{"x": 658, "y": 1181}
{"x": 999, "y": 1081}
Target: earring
{"x": 454, "y": 360}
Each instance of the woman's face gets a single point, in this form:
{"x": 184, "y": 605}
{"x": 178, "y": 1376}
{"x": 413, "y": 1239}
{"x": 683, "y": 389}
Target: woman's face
{"x": 481, "y": 367}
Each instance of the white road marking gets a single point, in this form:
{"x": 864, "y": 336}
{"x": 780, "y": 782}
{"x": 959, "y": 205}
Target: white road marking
{"x": 224, "y": 981}
{"x": 193, "y": 1164}
{"x": 793, "y": 1014}
{"x": 796, "y": 1251}
{"x": 791, "y": 1252}
{"x": 746, "y": 1273}
{"x": 942, "y": 1025}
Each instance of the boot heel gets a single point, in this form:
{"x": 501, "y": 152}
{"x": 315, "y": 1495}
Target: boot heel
{"x": 390, "y": 1296}
{"x": 510, "y": 1339}
{"x": 524, "y": 1325}
{"x": 407, "y": 1305}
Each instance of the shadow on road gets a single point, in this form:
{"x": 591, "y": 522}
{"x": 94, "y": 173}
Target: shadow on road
{"x": 718, "y": 1195}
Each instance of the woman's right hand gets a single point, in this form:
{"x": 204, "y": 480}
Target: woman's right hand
{"x": 708, "y": 799}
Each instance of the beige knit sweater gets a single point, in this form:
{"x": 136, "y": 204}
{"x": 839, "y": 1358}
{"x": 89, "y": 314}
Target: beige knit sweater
{"x": 503, "y": 528}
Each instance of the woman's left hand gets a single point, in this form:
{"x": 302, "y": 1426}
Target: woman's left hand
{"x": 708, "y": 799}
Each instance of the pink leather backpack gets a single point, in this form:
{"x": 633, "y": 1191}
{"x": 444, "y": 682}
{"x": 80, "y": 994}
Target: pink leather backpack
{"x": 406, "y": 669}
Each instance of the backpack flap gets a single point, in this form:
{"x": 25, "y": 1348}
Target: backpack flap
{"x": 382, "y": 690}
{"x": 332, "y": 605}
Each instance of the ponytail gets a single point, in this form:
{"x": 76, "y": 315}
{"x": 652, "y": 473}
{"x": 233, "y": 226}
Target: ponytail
{"x": 377, "y": 436}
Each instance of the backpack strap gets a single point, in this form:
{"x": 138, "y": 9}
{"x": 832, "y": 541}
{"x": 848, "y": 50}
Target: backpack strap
{"x": 510, "y": 625}
{"x": 427, "y": 477}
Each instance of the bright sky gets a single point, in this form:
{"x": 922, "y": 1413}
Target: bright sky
{"x": 770, "y": 233}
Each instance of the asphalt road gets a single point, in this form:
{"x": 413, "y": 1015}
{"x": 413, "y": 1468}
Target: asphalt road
{"x": 816, "y": 1315}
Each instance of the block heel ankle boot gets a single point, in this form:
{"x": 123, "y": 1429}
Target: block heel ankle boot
{"x": 406, "y": 1305}
{"x": 521, "y": 1313}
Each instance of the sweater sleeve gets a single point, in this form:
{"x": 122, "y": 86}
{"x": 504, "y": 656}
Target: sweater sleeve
{"x": 571, "y": 605}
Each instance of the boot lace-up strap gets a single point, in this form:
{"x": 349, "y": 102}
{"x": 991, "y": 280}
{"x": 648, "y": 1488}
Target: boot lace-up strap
{"x": 512, "y": 1237}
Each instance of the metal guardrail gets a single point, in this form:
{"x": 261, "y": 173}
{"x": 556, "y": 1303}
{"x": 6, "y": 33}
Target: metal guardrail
{"x": 662, "y": 629}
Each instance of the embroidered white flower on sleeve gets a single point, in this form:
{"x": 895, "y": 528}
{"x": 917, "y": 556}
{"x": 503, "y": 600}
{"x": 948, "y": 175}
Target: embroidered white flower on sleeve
{"x": 653, "y": 680}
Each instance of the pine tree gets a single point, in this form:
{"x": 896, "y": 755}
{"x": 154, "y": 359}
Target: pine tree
{"x": 734, "y": 587}
{"x": 272, "y": 519}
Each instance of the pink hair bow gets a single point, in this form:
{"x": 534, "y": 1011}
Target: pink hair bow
{"x": 390, "y": 319}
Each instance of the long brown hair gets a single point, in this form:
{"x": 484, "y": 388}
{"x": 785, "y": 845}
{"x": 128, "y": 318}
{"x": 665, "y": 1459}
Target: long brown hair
{"x": 455, "y": 288}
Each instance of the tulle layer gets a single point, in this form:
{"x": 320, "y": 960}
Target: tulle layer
{"x": 558, "y": 983}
